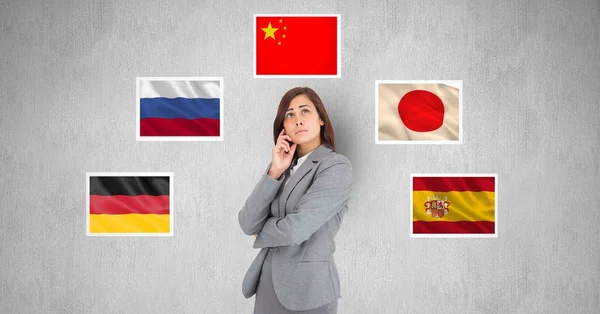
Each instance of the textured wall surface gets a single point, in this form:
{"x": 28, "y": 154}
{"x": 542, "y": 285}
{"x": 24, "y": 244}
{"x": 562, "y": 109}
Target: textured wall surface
{"x": 531, "y": 80}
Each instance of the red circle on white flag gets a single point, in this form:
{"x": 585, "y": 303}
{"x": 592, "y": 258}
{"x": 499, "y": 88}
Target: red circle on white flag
{"x": 421, "y": 111}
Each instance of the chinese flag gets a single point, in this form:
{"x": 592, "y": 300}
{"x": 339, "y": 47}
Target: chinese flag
{"x": 296, "y": 45}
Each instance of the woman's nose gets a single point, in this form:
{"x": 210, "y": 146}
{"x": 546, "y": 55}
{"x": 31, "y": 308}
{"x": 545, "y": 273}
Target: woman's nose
{"x": 298, "y": 123}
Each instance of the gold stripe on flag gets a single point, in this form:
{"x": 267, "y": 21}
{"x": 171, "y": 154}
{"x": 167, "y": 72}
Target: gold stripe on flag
{"x": 129, "y": 223}
{"x": 461, "y": 206}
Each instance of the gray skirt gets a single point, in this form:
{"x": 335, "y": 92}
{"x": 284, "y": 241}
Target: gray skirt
{"x": 266, "y": 301}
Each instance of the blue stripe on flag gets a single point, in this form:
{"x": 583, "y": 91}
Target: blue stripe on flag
{"x": 187, "y": 108}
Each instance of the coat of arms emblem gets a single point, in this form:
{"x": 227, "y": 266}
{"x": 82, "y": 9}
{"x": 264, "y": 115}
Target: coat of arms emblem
{"x": 436, "y": 206}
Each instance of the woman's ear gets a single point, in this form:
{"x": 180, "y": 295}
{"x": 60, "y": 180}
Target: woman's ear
{"x": 322, "y": 123}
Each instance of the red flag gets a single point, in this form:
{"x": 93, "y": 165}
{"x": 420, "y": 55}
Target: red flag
{"x": 297, "y": 45}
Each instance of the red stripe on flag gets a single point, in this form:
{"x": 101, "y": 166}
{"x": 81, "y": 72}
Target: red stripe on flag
{"x": 126, "y": 204}
{"x": 179, "y": 127}
{"x": 435, "y": 227}
{"x": 447, "y": 184}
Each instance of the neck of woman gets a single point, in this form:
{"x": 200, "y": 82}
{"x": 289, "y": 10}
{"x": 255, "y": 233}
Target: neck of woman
{"x": 306, "y": 148}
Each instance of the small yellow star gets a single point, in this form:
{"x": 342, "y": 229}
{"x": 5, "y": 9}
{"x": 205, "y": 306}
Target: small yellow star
{"x": 280, "y": 21}
{"x": 279, "y": 43}
{"x": 283, "y": 36}
{"x": 285, "y": 28}
{"x": 269, "y": 31}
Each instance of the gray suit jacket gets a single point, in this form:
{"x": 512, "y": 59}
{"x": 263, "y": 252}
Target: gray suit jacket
{"x": 299, "y": 221}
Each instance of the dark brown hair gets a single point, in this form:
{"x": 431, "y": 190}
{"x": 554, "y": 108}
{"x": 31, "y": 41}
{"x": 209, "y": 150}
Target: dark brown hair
{"x": 327, "y": 137}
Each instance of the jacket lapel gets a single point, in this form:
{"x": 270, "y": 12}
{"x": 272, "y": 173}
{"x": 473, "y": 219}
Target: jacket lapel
{"x": 306, "y": 167}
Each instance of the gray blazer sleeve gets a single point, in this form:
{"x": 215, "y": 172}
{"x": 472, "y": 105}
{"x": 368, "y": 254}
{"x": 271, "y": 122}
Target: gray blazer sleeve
{"x": 328, "y": 194}
{"x": 256, "y": 208}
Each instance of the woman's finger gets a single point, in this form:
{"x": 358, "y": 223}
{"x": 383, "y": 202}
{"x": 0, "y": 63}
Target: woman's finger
{"x": 279, "y": 149}
{"x": 281, "y": 134}
{"x": 284, "y": 143}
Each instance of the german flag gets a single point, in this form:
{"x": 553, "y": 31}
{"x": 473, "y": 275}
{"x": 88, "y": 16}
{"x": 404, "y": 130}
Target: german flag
{"x": 453, "y": 205}
{"x": 129, "y": 204}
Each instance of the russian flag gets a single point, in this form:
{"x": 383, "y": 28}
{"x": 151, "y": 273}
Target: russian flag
{"x": 179, "y": 108}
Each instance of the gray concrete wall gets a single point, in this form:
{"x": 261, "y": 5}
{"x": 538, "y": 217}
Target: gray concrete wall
{"x": 67, "y": 105}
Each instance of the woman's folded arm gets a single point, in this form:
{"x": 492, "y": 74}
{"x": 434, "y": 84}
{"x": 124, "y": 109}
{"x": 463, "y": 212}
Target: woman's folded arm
{"x": 256, "y": 209}
{"x": 328, "y": 195}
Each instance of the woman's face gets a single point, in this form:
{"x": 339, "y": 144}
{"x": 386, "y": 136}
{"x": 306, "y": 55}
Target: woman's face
{"x": 302, "y": 122}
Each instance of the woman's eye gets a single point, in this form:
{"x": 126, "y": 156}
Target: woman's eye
{"x": 305, "y": 110}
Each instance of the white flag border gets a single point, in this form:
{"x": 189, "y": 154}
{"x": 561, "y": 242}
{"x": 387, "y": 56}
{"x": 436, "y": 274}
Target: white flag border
{"x": 140, "y": 138}
{"x": 88, "y": 175}
{"x": 338, "y": 45}
{"x": 453, "y": 235}
{"x": 454, "y": 83}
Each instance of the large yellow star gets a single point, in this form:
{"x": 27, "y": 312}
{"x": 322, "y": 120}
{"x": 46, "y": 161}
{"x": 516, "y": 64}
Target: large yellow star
{"x": 269, "y": 31}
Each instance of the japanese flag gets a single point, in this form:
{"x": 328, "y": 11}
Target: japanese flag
{"x": 414, "y": 112}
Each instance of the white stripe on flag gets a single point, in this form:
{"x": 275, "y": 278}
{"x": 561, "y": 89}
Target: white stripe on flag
{"x": 390, "y": 123}
{"x": 185, "y": 89}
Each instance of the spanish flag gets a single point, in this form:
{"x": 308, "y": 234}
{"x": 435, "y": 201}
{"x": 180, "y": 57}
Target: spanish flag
{"x": 453, "y": 205}
{"x": 129, "y": 204}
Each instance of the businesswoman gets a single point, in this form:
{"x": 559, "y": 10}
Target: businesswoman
{"x": 296, "y": 210}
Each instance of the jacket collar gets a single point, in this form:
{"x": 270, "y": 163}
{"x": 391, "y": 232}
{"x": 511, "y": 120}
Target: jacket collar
{"x": 307, "y": 166}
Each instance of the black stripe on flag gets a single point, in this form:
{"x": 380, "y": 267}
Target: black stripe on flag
{"x": 129, "y": 186}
